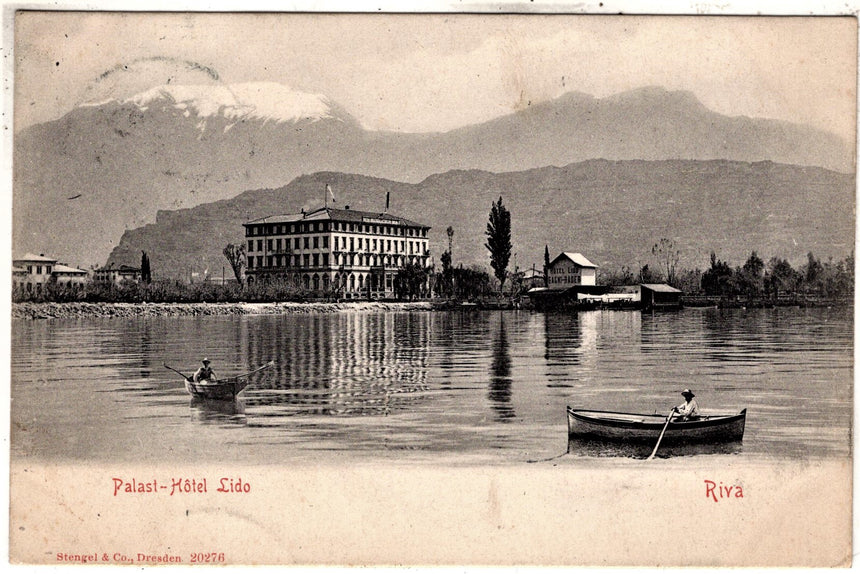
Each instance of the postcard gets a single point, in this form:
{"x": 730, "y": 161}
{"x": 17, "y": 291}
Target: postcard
{"x": 431, "y": 289}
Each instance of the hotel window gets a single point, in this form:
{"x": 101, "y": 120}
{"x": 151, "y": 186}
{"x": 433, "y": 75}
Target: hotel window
{"x": 48, "y": 270}
{"x": 296, "y": 243}
{"x": 351, "y": 244}
{"x": 278, "y": 244}
{"x": 316, "y": 260}
{"x": 307, "y": 260}
{"x": 259, "y": 260}
{"x": 359, "y": 243}
{"x": 259, "y": 245}
{"x": 325, "y": 259}
{"x": 271, "y": 245}
{"x": 250, "y": 245}
{"x": 325, "y": 241}
{"x": 316, "y": 242}
{"x": 307, "y": 242}
{"x": 38, "y": 270}
{"x": 292, "y": 228}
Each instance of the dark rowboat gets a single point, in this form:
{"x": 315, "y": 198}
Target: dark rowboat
{"x": 221, "y": 389}
{"x": 629, "y": 427}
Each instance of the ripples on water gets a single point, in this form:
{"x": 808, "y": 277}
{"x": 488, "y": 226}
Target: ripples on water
{"x": 452, "y": 387}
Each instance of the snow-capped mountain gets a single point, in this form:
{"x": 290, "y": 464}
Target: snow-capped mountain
{"x": 81, "y": 181}
{"x": 266, "y": 101}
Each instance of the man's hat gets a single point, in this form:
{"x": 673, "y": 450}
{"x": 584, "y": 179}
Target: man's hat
{"x": 686, "y": 392}
{"x": 206, "y": 360}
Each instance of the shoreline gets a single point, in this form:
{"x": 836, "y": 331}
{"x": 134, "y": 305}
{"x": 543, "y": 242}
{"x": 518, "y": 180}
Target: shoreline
{"x": 107, "y": 310}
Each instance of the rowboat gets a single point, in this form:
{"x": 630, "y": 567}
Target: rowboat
{"x": 216, "y": 390}
{"x": 629, "y": 427}
{"x": 220, "y": 389}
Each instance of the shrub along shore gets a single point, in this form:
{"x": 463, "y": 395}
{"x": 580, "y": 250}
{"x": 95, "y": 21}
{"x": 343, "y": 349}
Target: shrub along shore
{"x": 80, "y": 309}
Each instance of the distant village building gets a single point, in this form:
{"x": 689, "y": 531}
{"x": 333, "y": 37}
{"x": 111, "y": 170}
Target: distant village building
{"x": 571, "y": 270}
{"x": 532, "y": 278}
{"x": 117, "y": 275}
{"x": 32, "y": 272}
{"x": 70, "y": 276}
{"x": 349, "y": 252}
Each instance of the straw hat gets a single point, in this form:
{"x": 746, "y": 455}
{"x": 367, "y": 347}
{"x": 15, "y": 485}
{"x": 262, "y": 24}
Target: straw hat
{"x": 688, "y": 392}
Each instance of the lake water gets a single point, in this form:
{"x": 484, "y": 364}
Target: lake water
{"x": 460, "y": 387}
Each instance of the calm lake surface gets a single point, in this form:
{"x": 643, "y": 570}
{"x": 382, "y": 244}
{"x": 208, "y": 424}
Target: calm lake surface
{"x": 461, "y": 387}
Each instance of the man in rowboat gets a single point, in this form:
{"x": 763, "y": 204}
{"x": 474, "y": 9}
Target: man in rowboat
{"x": 204, "y": 373}
{"x": 689, "y": 409}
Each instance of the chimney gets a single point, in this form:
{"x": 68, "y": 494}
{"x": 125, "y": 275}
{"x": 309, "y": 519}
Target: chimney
{"x": 387, "y": 198}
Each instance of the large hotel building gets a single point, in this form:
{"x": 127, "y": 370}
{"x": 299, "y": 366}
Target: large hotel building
{"x": 353, "y": 253}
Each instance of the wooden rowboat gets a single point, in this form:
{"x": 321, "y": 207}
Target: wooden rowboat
{"x": 629, "y": 427}
{"x": 218, "y": 390}
{"x": 221, "y": 389}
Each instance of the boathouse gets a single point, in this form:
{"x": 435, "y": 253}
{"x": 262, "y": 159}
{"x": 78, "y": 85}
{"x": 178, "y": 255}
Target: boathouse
{"x": 658, "y": 296}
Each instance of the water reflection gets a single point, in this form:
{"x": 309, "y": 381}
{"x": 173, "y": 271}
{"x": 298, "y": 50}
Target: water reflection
{"x": 598, "y": 448}
{"x": 217, "y": 412}
{"x": 345, "y": 364}
{"x": 500, "y": 375}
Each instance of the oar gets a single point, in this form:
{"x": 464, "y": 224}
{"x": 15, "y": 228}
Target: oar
{"x": 665, "y": 426}
{"x": 175, "y": 371}
{"x": 248, "y": 374}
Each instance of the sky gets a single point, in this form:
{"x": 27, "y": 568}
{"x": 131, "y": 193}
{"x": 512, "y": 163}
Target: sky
{"x": 419, "y": 73}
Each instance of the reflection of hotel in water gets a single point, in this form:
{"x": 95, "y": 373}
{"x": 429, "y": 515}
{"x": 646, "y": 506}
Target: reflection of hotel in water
{"x": 348, "y": 363}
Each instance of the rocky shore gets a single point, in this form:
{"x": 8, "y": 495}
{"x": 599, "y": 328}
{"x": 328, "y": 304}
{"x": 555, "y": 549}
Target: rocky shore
{"x": 71, "y": 310}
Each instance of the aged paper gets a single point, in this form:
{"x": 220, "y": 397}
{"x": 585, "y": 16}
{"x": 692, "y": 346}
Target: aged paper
{"x": 171, "y": 495}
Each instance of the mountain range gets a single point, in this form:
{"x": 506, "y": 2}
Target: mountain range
{"x": 612, "y": 211}
{"x": 82, "y": 181}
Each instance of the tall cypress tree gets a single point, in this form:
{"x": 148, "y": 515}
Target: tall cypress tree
{"x": 499, "y": 240}
{"x": 145, "y": 271}
{"x": 546, "y": 265}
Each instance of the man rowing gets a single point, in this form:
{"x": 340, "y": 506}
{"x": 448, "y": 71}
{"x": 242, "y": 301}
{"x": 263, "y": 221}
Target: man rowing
{"x": 689, "y": 410}
{"x": 204, "y": 374}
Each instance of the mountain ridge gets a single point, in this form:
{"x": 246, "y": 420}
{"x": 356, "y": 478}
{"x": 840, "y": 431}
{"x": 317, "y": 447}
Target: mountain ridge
{"x": 123, "y": 163}
{"x": 612, "y": 211}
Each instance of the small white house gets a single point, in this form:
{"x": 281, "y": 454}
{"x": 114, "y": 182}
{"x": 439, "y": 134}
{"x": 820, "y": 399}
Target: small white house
{"x": 571, "y": 270}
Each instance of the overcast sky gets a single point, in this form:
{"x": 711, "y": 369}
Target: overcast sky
{"x": 438, "y": 72}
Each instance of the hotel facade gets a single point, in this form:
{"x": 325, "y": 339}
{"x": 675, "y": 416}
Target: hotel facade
{"x": 348, "y": 252}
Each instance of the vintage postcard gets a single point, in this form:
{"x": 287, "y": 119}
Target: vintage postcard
{"x": 431, "y": 289}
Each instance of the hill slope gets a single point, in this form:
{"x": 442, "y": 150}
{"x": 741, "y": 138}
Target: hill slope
{"x": 612, "y": 211}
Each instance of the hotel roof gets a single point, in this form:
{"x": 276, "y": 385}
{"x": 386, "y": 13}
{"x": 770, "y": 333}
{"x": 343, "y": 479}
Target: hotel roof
{"x": 332, "y": 214}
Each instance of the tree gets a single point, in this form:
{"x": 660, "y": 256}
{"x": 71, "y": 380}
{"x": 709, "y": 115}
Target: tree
{"x": 410, "y": 281}
{"x": 667, "y": 255}
{"x": 499, "y": 241}
{"x": 447, "y": 274}
{"x": 813, "y": 274}
{"x": 717, "y": 279}
{"x": 145, "y": 269}
{"x": 546, "y": 265}
{"x": 235, "y": 255}
{"x": 646, "y": 275}
{"x": 781, "y": 277}
{"x": 750, "y": 277}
